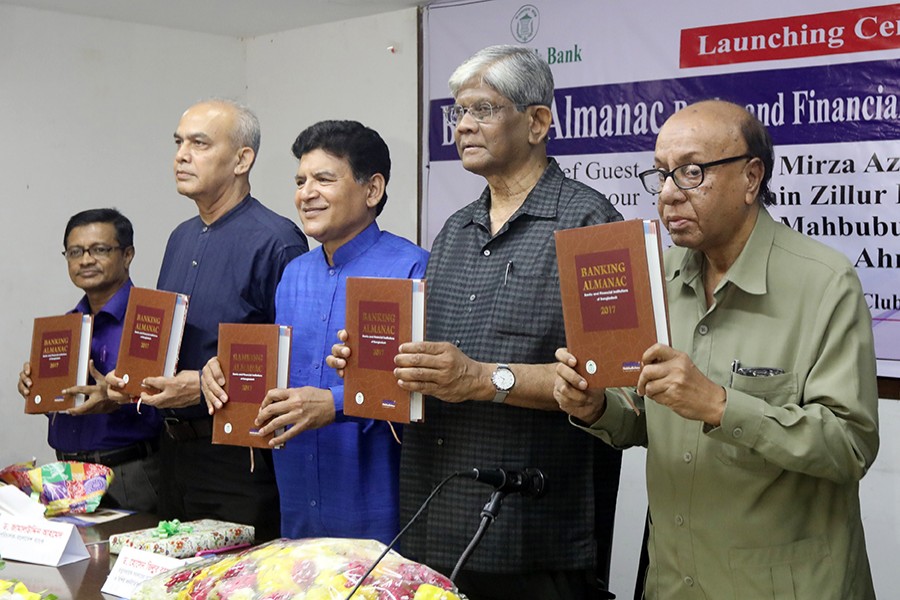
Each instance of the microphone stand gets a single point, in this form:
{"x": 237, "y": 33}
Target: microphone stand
{"x": 488, "y": 515}
{"x": 387, "y": 548}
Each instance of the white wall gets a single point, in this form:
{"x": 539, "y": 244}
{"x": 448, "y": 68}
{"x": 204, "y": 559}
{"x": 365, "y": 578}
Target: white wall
{"x": 338, "y": 71}
{"x": 87, "y": 111}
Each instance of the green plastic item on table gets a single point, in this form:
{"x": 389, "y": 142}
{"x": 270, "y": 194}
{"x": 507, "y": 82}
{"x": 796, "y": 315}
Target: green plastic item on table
{"x": 167, "y": 529}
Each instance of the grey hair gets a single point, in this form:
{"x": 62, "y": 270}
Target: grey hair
{"x": 246, "y": 131}
{"x": 516, "y": 72}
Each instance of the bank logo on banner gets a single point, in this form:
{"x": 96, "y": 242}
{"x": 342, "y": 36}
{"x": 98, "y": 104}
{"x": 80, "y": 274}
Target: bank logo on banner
{"x": 524, "y": 25}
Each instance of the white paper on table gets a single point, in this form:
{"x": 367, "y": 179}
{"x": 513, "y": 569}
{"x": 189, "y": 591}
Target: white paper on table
{"x": 16, "y": 504}
{"x": 40, "y": 541}
{"x": 133, "y": 567}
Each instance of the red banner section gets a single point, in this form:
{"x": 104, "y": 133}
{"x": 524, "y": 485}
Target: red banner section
{"x": 840, "y": 32}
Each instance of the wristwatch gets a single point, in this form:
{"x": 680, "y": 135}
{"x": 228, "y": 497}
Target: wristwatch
{"x": 504, "y": 380}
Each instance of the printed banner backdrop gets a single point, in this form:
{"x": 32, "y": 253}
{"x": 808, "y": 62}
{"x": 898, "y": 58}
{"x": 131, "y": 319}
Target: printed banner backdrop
{"x": 824, "y": 79}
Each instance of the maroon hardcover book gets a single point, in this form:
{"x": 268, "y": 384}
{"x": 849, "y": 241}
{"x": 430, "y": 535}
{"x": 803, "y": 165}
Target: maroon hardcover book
{"x": 612, "y": 285}
{"x": 254, "y": 359}
{"x": 60, "y": 351}
{"x": 382, "y": 313}
{"x": 151, "y": 337}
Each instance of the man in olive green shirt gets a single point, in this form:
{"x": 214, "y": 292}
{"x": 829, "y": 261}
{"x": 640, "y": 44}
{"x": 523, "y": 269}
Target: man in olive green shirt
{"x": 761, "y": 418}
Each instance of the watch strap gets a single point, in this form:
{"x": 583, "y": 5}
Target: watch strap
{"x": 500, "y": 396}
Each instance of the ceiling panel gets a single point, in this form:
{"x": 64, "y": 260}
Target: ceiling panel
{"x": 235, "y": 18}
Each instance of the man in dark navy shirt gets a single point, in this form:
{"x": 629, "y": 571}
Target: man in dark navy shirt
{"x": 98, "y": 247}
{"x": 229, "y": 260}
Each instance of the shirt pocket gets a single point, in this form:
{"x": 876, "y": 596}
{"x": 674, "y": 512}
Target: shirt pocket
{"x": 798, "y": 570}
{"x": 775, "y": 390}
{"x": 527, "y": 304}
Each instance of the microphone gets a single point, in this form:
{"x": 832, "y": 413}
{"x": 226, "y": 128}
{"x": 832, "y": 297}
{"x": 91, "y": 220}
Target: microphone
{"x": 529, "y": 482}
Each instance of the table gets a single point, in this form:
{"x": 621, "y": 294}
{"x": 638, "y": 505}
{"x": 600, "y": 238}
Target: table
{"x": 80, "y": 580}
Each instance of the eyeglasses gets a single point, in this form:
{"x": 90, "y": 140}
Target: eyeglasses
{"x": 97, "y": 251}
{"x": 686, "y": 177}
{"x": 484, "y": 112}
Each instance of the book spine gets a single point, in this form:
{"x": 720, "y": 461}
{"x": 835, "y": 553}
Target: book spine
{"x": 84, "y": 355}
{"x": 179, "y": 315}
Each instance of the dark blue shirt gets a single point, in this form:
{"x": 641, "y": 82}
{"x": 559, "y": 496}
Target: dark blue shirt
{"x": 118, "y": 429}
{"x": 230, "y": 270}
{"x": 340, "y": 480}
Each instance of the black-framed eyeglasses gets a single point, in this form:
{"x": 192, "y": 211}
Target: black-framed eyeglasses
{"x": 483, "y": 112}
{"x": 97, "y": 251}
{"x": 686, "y": 177}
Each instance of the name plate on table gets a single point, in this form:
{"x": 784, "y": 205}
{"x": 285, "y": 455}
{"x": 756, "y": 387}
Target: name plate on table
{"x": 134, "y": 567}
{"x": 41, "y": 542}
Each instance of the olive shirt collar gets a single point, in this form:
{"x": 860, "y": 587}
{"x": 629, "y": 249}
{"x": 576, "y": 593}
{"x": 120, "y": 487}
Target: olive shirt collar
{"x": 749, "y": 270}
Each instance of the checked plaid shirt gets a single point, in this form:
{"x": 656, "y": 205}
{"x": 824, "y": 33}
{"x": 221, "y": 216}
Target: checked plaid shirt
{"x": 498, "y": 300}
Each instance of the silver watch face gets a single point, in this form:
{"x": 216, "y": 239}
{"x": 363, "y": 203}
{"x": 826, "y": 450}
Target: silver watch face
{"x": 503, "y": 379}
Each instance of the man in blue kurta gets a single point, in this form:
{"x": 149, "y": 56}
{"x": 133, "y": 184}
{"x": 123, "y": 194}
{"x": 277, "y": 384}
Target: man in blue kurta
{"x": 98, "y": 247}
{"x": 337, "y": 475}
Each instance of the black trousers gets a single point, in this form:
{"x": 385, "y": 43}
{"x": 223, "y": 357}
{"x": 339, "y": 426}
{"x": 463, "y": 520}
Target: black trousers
{"x": 135, "y": 486}
{"x": 201, "y": 480}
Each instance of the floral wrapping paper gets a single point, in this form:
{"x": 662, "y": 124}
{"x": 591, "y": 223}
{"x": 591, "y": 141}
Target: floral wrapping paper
{"x": 310, "y": 569}
{"x": 65, "y": 487}
{"x": 194, "y": 537}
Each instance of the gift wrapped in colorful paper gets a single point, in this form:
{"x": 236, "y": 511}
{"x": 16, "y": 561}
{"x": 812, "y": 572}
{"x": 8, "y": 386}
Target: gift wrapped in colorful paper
{"x": 17, "y": 474}
{"x": 180, "y": 540}
{"x": 313, "y": 569}
{"x": 66, "y": 487}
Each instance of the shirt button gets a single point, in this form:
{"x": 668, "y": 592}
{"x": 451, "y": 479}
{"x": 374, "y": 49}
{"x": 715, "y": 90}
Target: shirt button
{"x": 193, "y": 263}
{"x": 703, "y": 329}
{"x": 679, "y": 520}
{"x": 737, "y": 432}
{"x": 472, "y": 298}
{"x": 309, "y": 457}
{"x": 331, "y": 271}
{"x": 312, "y": 503}
{"x": 688, "y": 457}
{"x": 324, "y": 317}
{"x": 689, "y": 581}
{"x": 487, "y": 252}
{"x": 205, "y": 229}
{"x": 440, "y": 441}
